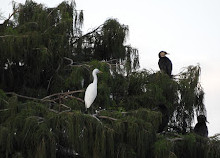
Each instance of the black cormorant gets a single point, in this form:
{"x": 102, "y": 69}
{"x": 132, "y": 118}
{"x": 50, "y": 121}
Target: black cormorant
{"x": 164, "y": 63}
{"x": 201, "y": 128}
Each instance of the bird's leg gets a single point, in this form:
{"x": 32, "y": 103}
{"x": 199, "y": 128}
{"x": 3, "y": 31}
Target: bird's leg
{"x": 92, "y": 109}
{"x": 86, "y": 111}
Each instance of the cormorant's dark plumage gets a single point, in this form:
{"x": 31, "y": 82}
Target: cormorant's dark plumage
{"x": 201, "y": 128}
{"x": 165, "y": 64}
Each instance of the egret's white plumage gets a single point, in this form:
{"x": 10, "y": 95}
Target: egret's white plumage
{"x": 91, "y": 90}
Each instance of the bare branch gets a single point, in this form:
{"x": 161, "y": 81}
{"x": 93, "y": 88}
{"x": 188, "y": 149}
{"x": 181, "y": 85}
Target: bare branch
{"x": 175, "y": 139}
{"x": 87, "y": 34}
{"x": 48, "y": 86}
{"x": 48, "y": 98}
{"x": 71, "y": 61}
{"x": 55, "y": 111}
{"x": 4, "y": 110}
{"x": 5, "y": 36}
{"x": 7, "y": 20}
{"x": 94, "y": 116}
{"x": 76, "y": 64}
{"x": 15, "y": 11}
{"x": 22, "y": 96}
{"x": 69, "y": 109}
{"x": 216, "y": 136}
{"x": 65, "y": 93}
{"x": 79, "y": 99}
{"x": 107, "y": 117}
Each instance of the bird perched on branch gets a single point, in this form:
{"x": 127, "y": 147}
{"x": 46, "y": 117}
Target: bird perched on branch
{"x": 91, "y": 90}
{"x": 201, "y": 128}
{"x": 165, "y": 63}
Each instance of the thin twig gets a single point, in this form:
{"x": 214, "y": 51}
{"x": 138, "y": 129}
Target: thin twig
{"x": 55, "y": 111}
{"x": 13, "y": 36}
{"x": 94, "y": 116}
{"x": 215, "y": 136}
{"x": 48, "y": 98}
{"x": 22, "y": 96}
{"x": 87, "y": 34}
{"x": 79, "y": 99}
{"x": 174, "y": 139}
{"x": 65, "y": 93}
{"x": 107, "y": 117}
{"x": 48, "y": 86}
{"x": 4, "y": 110}
{"x": 71, "y": 61}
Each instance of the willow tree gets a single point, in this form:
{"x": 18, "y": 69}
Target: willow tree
{"x": 33, "y": 46}
{"x": 45, "y": 64}
{"x": 108, "y": 43}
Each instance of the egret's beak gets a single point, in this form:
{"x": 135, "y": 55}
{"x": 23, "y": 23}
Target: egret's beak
{"x": 100, "y": 72}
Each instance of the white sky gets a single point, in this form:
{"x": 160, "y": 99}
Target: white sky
{"x": 188, "y": 30}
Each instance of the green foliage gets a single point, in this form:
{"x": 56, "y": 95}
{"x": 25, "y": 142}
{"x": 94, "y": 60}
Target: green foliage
{"x": 195, "y": 147}
{"x": 162, "y": 148}
{"x": 214, "y": 146}
{"x": 46, "y": 63}
{"x": 185, "y": 146}
{"x": 33, "y": 48}
{"x": 32, "y": 129}
{"x": 107, "y": 43}
{"x": 112, "y": 40}
{"x": 191, "y": 95}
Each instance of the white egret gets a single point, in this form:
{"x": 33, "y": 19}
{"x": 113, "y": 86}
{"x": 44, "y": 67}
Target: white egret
{"x": 91, "y": 90}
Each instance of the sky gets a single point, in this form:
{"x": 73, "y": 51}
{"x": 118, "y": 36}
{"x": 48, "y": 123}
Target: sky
{"x": 188, "y": 30}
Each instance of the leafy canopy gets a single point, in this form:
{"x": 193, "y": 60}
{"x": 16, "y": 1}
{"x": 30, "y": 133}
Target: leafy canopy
{"x": 45, "y": 65}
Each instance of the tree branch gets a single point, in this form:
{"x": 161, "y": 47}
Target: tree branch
{"x": 107, "y": 117}
{"x": 87, "y": 34}
{"x": 4, "y": 110}
{"x": 79, "y": 99}
{"x": 65, "y": 93}
{"x": 7, "y": 20}
{"x": 48, "y": 98}
{"x": 22, "y": 96}
{"x": 174, "y": 139}
{"x": 5, "y": 36}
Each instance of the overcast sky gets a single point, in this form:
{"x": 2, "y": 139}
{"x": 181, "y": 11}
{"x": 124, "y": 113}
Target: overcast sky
{"x": 187, "y": 29}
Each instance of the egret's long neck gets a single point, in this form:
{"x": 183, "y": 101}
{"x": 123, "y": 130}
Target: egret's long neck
{"x": 95, "y": 80}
